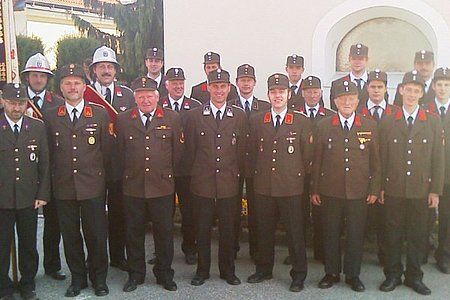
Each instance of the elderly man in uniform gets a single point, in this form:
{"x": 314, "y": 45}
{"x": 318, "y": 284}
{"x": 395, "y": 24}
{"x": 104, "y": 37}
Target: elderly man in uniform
{"x": 346, "y": 176}
{"x": 412, "y": 154}
{"x": 37, "y": 73}
{"x": 357, "y": 58}
{"x": 25, "y": 178}
{"x": 440, "y": 105}
{"x": 280, "y": 151}
{"x": 200, "y": 92}
{"x": 177, "y": 101}
{"x": 154, "y": 62}
{"x": 215, "y": 151}
{"x": 105, "y": 67}
{"x": 246, "y": 82}
{"x": 150, "y": 146}
{"x": 80, "y": 139}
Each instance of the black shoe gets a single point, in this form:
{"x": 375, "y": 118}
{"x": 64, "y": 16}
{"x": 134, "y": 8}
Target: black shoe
{"x": 74, "y": 290}
{"x": 198, "y": 280}
{"x": 8, "y": 297}
{"x": 58, "y": 275}
{"x": 296, "y": 286}
{"x": 355, "y": 283}
{"x": 101, "y": 290}
{"x": 231, "y": 280}
{"x": 152, "y": 260}
{"x": 443, "y": 268}
{"x": 131, "y": 285}
{"x": 418, "y": 286}
{"x": 328, "y": 280}
{"x": 259, "y": 277}
{"x": 190, "y": 258}
{"x": 28, "y": 295}
{"x": 390, "y": 284}
{"x": 287, "y": 260}
{"x": 169, "y": 285}
{"x": 121, "y": 264}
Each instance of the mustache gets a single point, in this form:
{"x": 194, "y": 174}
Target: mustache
{"x": 106, "y": 74}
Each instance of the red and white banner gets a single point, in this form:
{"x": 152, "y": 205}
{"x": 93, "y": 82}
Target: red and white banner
{"x": 9, "y": 64}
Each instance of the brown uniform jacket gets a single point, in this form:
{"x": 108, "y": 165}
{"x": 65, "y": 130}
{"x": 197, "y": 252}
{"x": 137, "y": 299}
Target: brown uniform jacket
{"x": 51, "y": 100}
{"x": 346, "y": 166}
{"x": 215, "y": 155}
{"x": 148, "y": 156}
{"x": 200, "y": 92}
{"x": 412, "y": 163}
{"x": 24, "y": 171}
{"x": 364, "y": 111}
{"x": 122, "y": 98}
{"x": 79, "y": 154}
{"x": 280, "y": 156}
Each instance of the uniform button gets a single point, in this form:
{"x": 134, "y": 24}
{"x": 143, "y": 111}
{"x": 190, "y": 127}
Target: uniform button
{"x": 274, "y": 151}
{"x": 217, "y": 170}
{"x": 74, "y": 147}
{"x": 16, "y": 149}
{"x": 274, "y": 160}
{"x": 273, "y": 169}
{"x": 147, "y": 158}
{"x": 248, "y": 135}
{"x": 164, "y": 136}
{"x": 75, "y": 171}
{"x": 409, "y": 141}
{"x": 346, "y": 140}
{"x": 218, "y": 147}
{"x": 346, "y": 159}
{"x": 170, "y": 175}
{"x": 275, "y": 142}
{"x": 246, "y": 153}
{"x": 74, "y": 159}
{"x": 408, "y": 173}
{"x": 147, "y": 137}
{"x": 219, "y": 135}
{"x": 409, "y": 151}
{"x": 17, "y": 169}
{"x": 147, "y": 148}
{"x": 74, "y": 136}
{"x": 408, "y": 162}
{"x": 346, "y": 149}
{"x": 347, "y": 169}
{"x": 218, "y": 159}
{"x": 16, "y": 159}
{"x": 147, "y": 169}
{"x": 17, "y": 178}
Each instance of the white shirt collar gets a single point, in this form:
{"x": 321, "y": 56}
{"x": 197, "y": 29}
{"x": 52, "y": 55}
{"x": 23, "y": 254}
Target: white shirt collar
{"x": 371, "y": 104}
{"x": 144, "y": 118}
{"x": 439, "y": 104}
{"x": 350, "y": 120}
{"x": 297, "y": 84}
{"x": 316, "y": 109}
{"x": 281, "y": 114}
{"x": 407, "y": 115}
{"x": 179, "y": 101}
{"x": 79, "y": 108}
{"x": 428, "y": 84}
{"x": 214, "y": 109}
{"x": 41, "y": 95}
{"x": 363, "y": 77}
{"x": 250, "y": 101}
{"x": 12, "y": 123}
{"x": 157, "y": 79}
{"x": 102, "y": 89}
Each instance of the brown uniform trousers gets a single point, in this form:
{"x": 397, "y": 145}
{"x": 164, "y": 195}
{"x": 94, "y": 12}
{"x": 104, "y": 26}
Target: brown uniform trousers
{"x": 148, "y": 157}
{"x": 80, "y": 154}
{"x": 413, "y": 166}
{"x": 346, "y": 169}
{"x": 280, "y": 158}
{"x": 216, "y": 154}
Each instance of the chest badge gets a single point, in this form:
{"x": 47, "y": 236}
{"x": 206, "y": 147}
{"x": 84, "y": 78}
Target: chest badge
{"x": 91, "y": 140}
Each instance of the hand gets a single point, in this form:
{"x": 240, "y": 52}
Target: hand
{"x": 39, "y": 203}
{"x": 381, "y": 199}
{"x": 371, "y": 199}
{"x": 315, "y": 199}
{"x": 433, "y": 200}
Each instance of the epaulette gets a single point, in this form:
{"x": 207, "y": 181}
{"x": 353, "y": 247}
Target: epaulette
{"x": 300, "y": 113}
{"x": 125, "y": 87}
{"x": 235, "y": 106}
{"x": 95, "y": 104}
{"x": 195, "y": 100}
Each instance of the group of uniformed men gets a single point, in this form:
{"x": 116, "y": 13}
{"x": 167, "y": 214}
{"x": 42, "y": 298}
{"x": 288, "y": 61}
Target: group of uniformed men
{"x": 134, "y": 150}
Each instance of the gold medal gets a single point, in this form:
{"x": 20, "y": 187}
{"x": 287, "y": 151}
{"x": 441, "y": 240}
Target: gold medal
{"x": 91, "y": 140}
{"x": 290, "y": 149}
{"x": 32, "y": 156}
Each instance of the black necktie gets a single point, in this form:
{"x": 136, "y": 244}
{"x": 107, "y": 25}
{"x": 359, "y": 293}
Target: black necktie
{"x": 247, "y": 107}
{"x": 376, "y": 112}
{"x": 36, "y": 101}
{"x": 358, "y": 84}
{"x": 311, "y": 113}
{"x": 293, "y": 88}
{"x": 346, "y": 128}
{"x": 410, "y": 122}
{"x": 108, "y": 95}
{"x": 218, "y": 118}
{"x": 147, "y": 122}
{"x": 176, "y": 106}
{"x": 278, "y": 122}
{"x": 74, "y": 116}
{"x": 442, "y": 109}
{"x": 16, "y": 131}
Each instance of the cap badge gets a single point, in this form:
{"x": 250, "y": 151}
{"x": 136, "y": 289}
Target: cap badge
{"x": 39, "y": 63}
{"x": 105, "y": 54}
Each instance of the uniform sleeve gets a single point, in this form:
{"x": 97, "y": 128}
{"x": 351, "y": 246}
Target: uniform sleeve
{"x": 108, "y": 142}
{"x": 317, "y": 159}
{"x": 438, "y": 159}
{"x": 383, "y": 138}
{"x": 375, "y": 164}
{"x": 252, "y": 145}
{"x": 242, "y": 143}
{"x": 190, "y": 140}
{"x": 178, "y": 141}
{"x": 120, "y": 141}
{"x": 43, "y": 192}
{"x": 307, "y": 142}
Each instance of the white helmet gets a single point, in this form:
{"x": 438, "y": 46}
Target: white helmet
{"x": 104, "y": 54}
{"x": 38, "y": 63}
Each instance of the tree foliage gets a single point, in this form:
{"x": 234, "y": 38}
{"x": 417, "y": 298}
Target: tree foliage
{"x": 72, "y": 49}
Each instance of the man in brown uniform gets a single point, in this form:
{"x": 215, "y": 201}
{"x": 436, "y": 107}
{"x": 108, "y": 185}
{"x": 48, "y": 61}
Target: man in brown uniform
{"x": 412, "y": 154}
{"x": 80, "y": 138}
{"x": 37, "y": 73}
{"x": 154, "y": 62}
{"x": 177, "y": 101}
{"x": 280, "y": 151}
{"x": 215, "y": 150}
{"x": 440, "y": 105}
{"x": 150, "y": 145}
{"x": 294, "y": 69}
{"x": 200, "y": 92}
{"x": 246, "y": 81}
{"x": 25, "y": 186}
{"x": 345, "y": 179}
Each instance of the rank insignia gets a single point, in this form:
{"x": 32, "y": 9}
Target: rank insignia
{"x": 134, "y": 114}
{"x": 335, "y": 120}
{"x": 61, "y": 111}
{"x": 422, "y": 115}
{"x": 123, "y": 108}
{"x": 87, "y": 112}
{"x": 357, "y": 121}
{"x": 159, "y": 112}
{"x": 204, "y": 87}
{"x": 118, "y": 92}
{"x": 229, "y": 112}
{"x": 267, "y": 117}
{"x": 206, "y": 110}
{"x": 288, "y": 118}
{"x": 186, "y": 105}
{"x": 165, "y": 103}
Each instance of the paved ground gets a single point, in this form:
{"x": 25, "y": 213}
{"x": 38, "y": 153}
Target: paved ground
{"x": 216, "y": 288}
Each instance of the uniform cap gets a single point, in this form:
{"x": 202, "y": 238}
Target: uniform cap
{"x": 38, "y": 63}
{"x": 344, "y": 87}
{"x": 377, "y": 74}
{"x": 295, "y": 60}
{"x": 211, "y": 58}
{"x": 218, "y": 75}
{"x": 442, "y": 73}
{"x": 104, "y": 54}
{"x": 246, "y": 71}
{"x": 311, "y": 82}
{"x": 413, "y": 77}
{"x": 72, "y": 70}
{"x": 175, "y": 74}
{"x": 277, "y": 80}
{"x": 154, "y": 53}
{"x": 15, "y": 91}
{"x": 144, "y": 83}
{"x": 359, "y": 50}
{"x": 424, "y": 55}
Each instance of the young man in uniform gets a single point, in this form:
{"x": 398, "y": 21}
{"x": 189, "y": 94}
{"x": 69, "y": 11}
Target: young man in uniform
{"x": 154, "y": 62}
